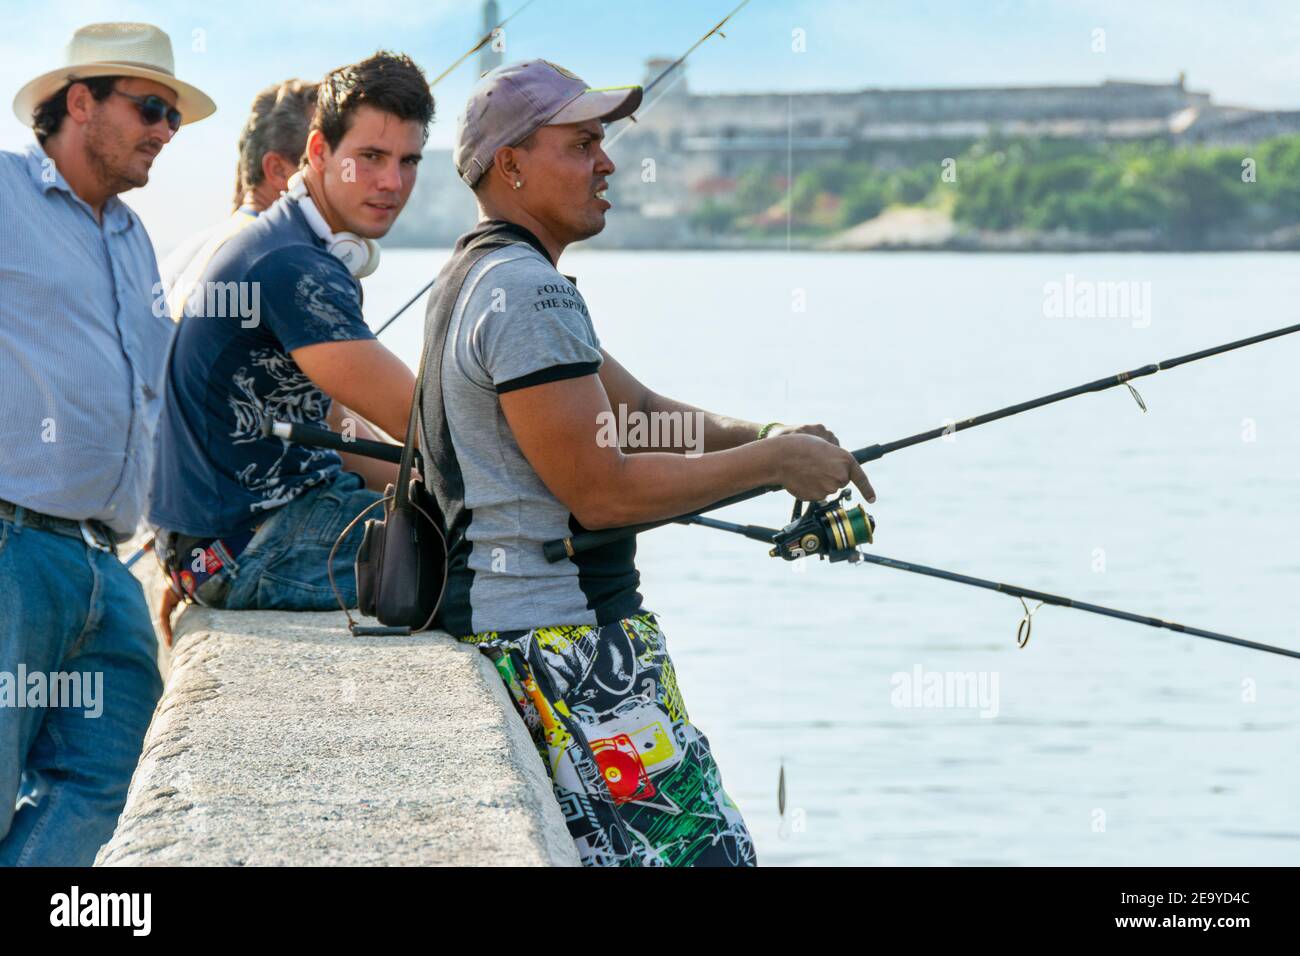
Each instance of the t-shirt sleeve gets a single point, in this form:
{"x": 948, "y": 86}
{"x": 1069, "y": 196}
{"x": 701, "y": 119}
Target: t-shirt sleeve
{"x": 306, "y": 297}
{"x": 530, "y": 326}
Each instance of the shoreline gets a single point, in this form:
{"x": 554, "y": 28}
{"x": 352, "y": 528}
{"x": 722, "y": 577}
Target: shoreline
{"x": 951, "y": 247}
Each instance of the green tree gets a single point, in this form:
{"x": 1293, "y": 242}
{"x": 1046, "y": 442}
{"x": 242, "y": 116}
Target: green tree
{"x": 864, "y": 200}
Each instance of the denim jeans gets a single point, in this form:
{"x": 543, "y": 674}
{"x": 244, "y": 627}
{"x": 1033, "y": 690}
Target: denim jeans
{"x": 285, "y": 566}
{"x": 66, "y": 757}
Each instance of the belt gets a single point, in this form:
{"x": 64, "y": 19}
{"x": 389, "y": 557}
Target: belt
{"x": 96, "y": 534}
{"x": 174, "y": 551}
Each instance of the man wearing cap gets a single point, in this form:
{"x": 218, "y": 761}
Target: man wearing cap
{"x": 516, "y": 394}
{"x": 83, "y": 351}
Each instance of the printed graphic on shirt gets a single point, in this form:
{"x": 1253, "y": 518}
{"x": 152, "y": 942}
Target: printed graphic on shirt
{"x": 317, "y": 295}
{"x": 275, "y": 389}
{"x": 553, "y": 295}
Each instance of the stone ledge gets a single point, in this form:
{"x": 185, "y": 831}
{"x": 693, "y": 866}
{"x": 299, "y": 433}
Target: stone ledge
{"x": 282, "y": 740}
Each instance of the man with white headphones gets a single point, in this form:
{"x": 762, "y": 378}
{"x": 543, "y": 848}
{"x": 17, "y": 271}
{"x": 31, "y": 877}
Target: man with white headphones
{"x": 245, "y": 520}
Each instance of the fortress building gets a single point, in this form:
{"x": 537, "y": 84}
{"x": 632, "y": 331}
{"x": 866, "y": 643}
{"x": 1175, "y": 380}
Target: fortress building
{"x": 701, "y": 143}
{"x": 687, "y": 146}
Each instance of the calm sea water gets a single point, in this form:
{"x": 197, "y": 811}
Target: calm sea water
{"x": 1105, "y": 742}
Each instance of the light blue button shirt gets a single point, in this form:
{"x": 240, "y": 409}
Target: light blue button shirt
{"x": 83, "y": 348}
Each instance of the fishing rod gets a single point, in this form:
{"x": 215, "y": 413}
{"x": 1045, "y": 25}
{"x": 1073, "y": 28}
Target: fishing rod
{"x": 487, "y": 38}
{"x": 717, "y": 29}
{"x": 409, "y": 302}
{"x": 808, "y": 536}
{"x": 298, "y": 433}
{"x": 562, "y": 548}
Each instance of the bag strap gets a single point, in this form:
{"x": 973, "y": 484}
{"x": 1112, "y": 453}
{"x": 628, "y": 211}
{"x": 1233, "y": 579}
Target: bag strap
{"x": 401, "y": 493}
{"x": 487, "y": 236}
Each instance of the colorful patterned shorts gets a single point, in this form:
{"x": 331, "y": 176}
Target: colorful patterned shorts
{"x": 634, "y": 777}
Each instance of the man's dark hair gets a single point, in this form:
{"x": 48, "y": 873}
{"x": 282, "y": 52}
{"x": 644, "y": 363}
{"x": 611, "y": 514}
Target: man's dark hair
{"x": 48, "y": 116}
{"x": 278, "y": 123}
{"x": 387, "y": 81}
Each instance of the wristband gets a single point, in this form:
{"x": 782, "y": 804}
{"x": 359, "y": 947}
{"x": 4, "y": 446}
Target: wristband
{"x": 766, "y": 429}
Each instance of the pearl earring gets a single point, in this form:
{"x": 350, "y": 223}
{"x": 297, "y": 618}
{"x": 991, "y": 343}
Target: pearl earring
{"x": 518, "y": 184}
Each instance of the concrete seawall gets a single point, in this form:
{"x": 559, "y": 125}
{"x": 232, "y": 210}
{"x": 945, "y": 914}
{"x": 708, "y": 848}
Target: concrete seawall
{"x": 281, "y": 739}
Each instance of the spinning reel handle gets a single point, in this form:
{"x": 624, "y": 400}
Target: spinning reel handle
{"x": 828, "y": 529}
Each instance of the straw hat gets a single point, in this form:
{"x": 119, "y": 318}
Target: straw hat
{"x": 115, "y": 49}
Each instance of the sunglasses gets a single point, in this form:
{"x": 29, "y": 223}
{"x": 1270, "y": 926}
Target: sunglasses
{"x": 153, "y": 108}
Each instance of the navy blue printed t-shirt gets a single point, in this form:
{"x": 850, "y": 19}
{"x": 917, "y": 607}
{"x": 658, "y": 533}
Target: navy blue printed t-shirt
{"x": 272, "y": 288}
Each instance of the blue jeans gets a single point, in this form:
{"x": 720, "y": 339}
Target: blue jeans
{"x": 285, "y": 565}
{"x": 66, "y": 757}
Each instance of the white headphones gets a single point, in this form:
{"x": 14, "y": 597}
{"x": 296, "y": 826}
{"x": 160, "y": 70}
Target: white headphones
{"x": 359, "y": 254}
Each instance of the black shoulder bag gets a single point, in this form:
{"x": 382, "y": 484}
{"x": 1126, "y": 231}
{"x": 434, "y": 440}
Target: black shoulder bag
{"x": 401, "y": 565}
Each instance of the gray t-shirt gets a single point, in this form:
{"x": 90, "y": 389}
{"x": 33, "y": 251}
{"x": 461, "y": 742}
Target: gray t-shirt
{"x": 517, "y": 323}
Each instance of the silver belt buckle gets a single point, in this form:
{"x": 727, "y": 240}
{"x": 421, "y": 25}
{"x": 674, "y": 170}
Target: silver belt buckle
{"x": 88, "y": 536}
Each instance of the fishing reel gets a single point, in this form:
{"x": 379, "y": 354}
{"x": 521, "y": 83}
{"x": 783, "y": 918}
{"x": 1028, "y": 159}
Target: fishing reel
{"x": 827, "y": 529}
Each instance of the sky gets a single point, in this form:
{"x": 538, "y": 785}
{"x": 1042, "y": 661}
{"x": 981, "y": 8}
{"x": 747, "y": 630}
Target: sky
{"x": 1244, "y": 52}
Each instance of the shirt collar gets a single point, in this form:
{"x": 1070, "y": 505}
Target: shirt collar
{"x": 522, "y": 234}
{"x": 46, "y": 175}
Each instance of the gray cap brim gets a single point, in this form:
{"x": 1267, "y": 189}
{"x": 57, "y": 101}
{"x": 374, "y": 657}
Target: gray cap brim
{"x": 605, "y": 105}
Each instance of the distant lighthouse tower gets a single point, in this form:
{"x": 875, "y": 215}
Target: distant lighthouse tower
{"x": 488, "y": 58}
